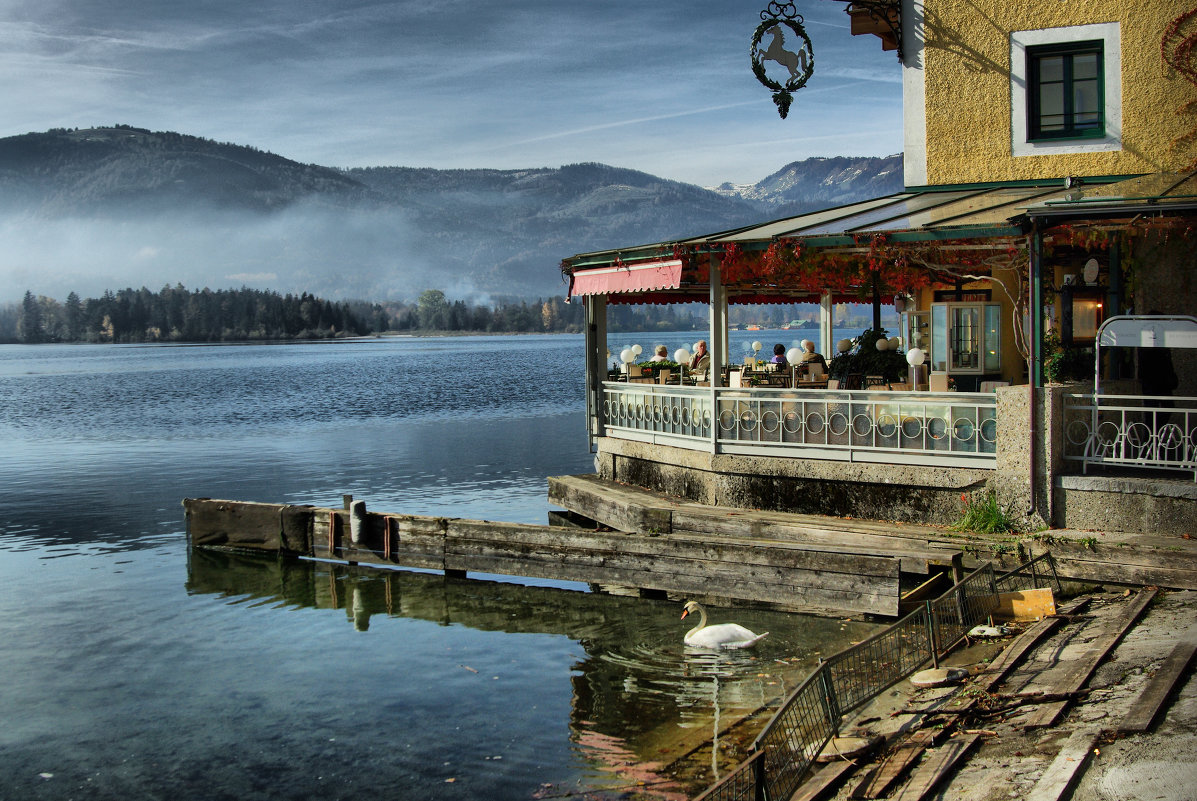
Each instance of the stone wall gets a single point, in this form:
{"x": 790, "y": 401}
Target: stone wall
{"x": 852, "y": 489}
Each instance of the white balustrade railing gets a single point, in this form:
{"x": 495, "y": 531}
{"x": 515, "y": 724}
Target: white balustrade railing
{"x": 1131, "y": 431}
{"x": 934, "y": 428}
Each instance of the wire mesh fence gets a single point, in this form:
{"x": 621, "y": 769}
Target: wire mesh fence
{"x": 810, "y": 717}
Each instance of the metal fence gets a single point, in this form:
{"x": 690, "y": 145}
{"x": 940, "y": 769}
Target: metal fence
{"x": 1131, "y": 431}
{"x": 938, "y": 428}
{"x": 810, "y": 717}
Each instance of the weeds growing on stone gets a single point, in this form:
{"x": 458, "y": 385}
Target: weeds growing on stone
{"x": 985, "y": 517}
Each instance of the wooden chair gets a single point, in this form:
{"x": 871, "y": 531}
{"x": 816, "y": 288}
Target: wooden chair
{"x": 938, "y": 382}
{"x": 663, "y": 376}
{"x": 899, "y": 386}
{"x": 991, "y": 386}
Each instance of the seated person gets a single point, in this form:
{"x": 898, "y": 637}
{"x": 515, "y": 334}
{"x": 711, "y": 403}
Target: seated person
{"x": 661, "y": 355}
{"x": 779, "y": 357}
{"x": 701, "y": 357}
{"x": 810, "y": 356}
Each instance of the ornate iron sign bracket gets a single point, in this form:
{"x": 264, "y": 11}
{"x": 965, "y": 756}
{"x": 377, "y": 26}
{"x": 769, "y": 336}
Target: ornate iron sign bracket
{"x": 789, "y": 48}
{"x": 778, "y": 20}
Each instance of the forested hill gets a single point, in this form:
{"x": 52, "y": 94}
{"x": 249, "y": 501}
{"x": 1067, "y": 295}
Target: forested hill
{"x": 111, "y": 172}
{"x": 87, "y": 209}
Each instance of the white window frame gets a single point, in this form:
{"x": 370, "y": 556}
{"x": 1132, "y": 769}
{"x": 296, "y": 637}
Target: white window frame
{"x": 1109, "y": 34}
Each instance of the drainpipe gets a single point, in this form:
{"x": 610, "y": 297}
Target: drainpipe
{"x": 1035, "y": 246}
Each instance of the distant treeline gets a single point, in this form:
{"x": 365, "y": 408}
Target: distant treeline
{"x": 177, "y": 314}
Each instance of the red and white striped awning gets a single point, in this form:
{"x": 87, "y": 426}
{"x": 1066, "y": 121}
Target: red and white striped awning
{"x": 623, "y": 278}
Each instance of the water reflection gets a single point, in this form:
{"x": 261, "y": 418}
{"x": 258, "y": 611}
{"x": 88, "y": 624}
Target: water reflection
{"x": 644, "y": 706}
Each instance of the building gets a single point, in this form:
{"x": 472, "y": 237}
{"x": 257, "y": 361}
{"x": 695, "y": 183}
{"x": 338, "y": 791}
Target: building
{"x": 1050, "y": 157}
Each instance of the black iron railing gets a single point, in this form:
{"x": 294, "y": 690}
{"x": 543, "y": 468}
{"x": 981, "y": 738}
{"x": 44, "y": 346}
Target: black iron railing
{"x": 810, "y": 717}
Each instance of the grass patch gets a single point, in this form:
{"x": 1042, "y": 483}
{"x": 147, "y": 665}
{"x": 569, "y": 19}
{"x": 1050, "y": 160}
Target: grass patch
{"x": 986, "y": 517}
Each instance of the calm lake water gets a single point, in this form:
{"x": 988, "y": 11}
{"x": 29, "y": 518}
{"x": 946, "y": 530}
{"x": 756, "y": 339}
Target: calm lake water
{"x": 137, "y": 669}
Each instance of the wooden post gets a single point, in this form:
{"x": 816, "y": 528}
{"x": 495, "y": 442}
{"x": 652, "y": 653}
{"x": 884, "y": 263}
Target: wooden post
{"x": 357, "y": 522}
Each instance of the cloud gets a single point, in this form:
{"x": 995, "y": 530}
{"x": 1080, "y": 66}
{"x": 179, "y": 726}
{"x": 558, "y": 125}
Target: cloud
{"x": 464, "y": 83}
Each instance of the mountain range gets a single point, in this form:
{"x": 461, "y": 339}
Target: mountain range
{"x": 99, "y": 208}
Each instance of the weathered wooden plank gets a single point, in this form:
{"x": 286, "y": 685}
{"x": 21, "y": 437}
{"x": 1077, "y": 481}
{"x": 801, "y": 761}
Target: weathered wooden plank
{"x": 740, "y": 552}
{"x": 778, "y": 525}
{"x": 1013, "y": 654}
{"x": 913, "y": 560}
{"x": 880, "y": 781}
{"x": 463, "y": 551}
{"x": 1146, "y": 708}
{"x": 825, "y": 781}
{"x": 234, "y": 524}
{"x": 1062, "y": 774}
{"x": 699, "y": 584}
{"x": 611, "y": 504}
{"x": 934, "y": 770}
{"x": 1082, "y": 669}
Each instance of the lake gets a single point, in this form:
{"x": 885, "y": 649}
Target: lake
{"x": 137, "y": 669}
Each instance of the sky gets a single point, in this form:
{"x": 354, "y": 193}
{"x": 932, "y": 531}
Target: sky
{"x": 665, "y": 87}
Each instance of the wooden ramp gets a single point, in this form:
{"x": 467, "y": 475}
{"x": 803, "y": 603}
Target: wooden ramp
{"x": 793, "y": 574}
{"x": 634, "y": 509}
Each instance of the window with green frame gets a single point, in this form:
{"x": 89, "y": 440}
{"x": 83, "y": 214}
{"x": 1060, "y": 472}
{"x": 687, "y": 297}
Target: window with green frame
{"x": 1065, "y": 91}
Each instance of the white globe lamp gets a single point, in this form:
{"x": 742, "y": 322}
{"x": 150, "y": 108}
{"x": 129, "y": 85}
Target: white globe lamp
{"x": 882, "y": 345}
{"x": 682, "y": 356}
{"x": 844, "y": 345}
{"x": 793, "y": 355}
{"x": 627, "y": 355}
{"x": 637, "y": 349}
{"x": 915, "y": 357}
{"x": 756, "y": 347}
{"x": 894, "y": 343}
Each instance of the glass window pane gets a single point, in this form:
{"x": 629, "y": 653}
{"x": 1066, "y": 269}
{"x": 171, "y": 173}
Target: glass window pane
{"x": 1085, "y": 100}
{"x": 1051, "y": 106}
{"x": 1084, "y": 66}
{"x": 939, "y": 338}
{"x": 965, "y": 338}
{"x": 993, "y": 339}
{"x": 1051, "y": 68}
{"x": 1085, "y": 312}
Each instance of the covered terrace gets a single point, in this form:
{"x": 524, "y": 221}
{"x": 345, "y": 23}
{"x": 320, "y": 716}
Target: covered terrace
{"x": 966, "y": 266}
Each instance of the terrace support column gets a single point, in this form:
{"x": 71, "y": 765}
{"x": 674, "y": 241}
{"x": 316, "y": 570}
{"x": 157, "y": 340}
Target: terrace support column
{"x": 827, "y": 344}
{"x": 596, "y": 364}
{"x": 717, "y": 338}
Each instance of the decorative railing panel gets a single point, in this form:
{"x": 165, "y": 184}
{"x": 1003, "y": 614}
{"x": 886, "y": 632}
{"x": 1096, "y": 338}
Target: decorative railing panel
{"x": 1131, "y": 431}
{"x": 905, "y": 427}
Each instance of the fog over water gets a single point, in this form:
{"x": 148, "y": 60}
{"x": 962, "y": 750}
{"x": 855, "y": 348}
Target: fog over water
{"x": 331, "y": 252}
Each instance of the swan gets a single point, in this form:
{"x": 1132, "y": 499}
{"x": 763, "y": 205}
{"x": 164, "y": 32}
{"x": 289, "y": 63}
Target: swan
{"x": 724, "y": 635}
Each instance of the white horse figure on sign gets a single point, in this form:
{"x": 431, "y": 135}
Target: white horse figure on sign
{"x": 776, "y": 52}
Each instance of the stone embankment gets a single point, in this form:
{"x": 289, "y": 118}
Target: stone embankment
{"x": 1097, "y": 703}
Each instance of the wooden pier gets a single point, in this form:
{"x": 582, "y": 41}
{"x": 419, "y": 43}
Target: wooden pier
{"x": 830, "y": 577}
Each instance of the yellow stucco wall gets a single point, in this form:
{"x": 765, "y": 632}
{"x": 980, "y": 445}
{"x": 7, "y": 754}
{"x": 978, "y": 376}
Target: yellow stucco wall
{"x": 967, "y": 85}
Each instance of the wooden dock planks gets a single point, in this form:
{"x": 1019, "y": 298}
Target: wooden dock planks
{"x": 1082, "y": 669}
{"x": 1147, "y": 706}
{"x": 936, "y": 768}
{"x": 1066, "y": 769}
{"x": 796, "y": 576}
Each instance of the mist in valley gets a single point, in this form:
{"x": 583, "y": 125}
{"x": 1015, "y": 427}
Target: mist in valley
{"x": 332, "y": 252}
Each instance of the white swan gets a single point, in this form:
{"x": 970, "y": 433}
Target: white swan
{"x": 724, "y": 635}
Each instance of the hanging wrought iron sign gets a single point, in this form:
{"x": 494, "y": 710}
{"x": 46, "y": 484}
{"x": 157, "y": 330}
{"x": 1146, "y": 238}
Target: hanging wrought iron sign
{"x": 788, "y": 47}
